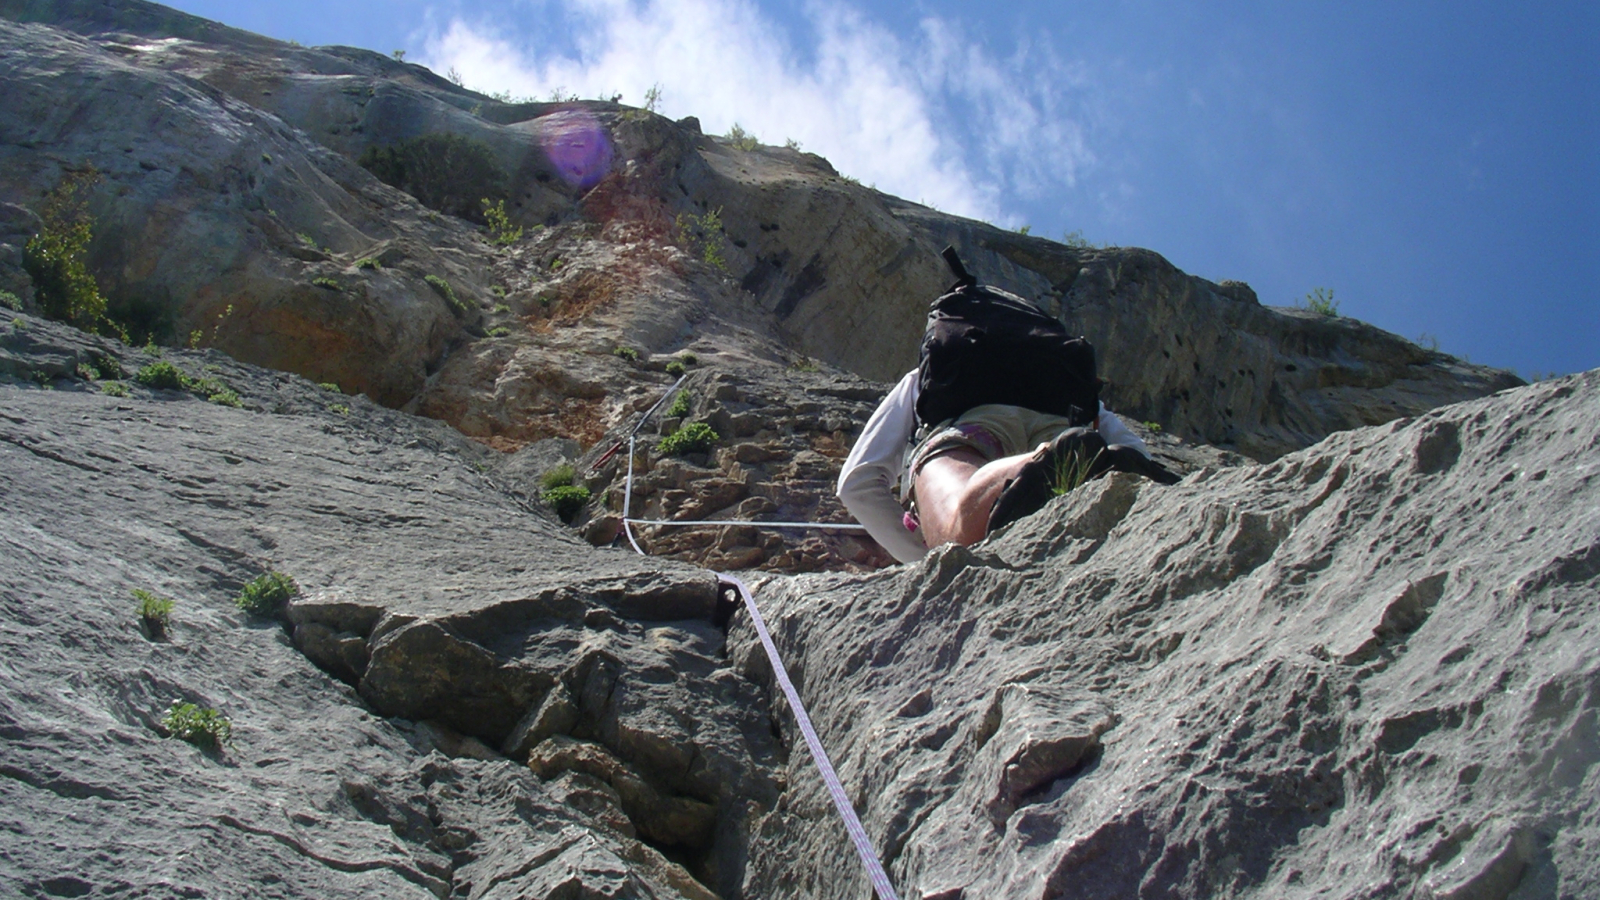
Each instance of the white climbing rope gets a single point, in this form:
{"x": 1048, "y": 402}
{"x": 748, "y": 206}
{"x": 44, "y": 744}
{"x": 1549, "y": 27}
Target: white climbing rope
{"x": 883, "y": 889}
{"x": 852, "y": 822}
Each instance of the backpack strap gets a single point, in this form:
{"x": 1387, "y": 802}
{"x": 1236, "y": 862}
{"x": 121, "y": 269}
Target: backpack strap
{"x": 963, "y": 279}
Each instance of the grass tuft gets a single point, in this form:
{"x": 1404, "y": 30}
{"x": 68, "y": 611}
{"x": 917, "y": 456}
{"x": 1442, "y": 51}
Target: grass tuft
{"x": 266, "y": 595}
{"x": 1071, "y": 471}
{"x": 162, "y": 375}
{"x": 695, "y": 437}
{"x": 566, "y": 500}
{"x": 203, "y": 727}
{"x": 679, "y": 407}
{"x": 1320, "y": 300}
{"x": 155, "y": 611}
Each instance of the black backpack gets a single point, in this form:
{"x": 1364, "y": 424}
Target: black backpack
{"x": 984, "y": 345}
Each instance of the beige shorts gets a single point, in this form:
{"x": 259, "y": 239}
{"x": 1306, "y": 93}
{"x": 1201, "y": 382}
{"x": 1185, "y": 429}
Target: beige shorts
{"x": 994, "y": 430}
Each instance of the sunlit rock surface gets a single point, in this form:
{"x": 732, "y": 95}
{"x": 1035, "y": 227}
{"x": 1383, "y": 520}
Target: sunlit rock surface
{"x": 1369, "y": 669}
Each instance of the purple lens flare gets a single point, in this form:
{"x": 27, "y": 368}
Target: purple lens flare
{"x": 577, "y": 145}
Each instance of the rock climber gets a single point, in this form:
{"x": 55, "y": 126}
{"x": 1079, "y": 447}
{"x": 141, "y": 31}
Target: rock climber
{"x": 959, "y": 472}
{"x": 981, "y": 466}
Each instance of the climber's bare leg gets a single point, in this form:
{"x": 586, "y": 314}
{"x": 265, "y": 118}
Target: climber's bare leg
{"x": 956, "y": 490}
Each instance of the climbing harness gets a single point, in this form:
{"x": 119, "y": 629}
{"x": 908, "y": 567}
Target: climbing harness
{"x": 852, "y": 823}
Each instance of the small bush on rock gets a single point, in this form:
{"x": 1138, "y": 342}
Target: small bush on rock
{"x": 1320, "y": 300}
{"x": 203, "y": 727}
{"x": 162, "y": 376}
{"x": 57, "y": 257}
{"x": 560, "y": 476}
{"x": 443, "y": 289}
{"x": 627, "y": 353}
{"x": 695, "y": 437}
{"x": 740, "y": 139}
{"x": 567, "y": 500}
{"x": 680, "y": 406}
{"x": 675, "y": 368}
{"x": 266, "y": 595}
{"x": 155, "y": 611}
{"x": 501, "y": 231}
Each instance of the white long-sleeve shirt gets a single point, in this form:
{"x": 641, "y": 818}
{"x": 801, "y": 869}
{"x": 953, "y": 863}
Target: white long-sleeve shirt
{"x": 877, "y": 461}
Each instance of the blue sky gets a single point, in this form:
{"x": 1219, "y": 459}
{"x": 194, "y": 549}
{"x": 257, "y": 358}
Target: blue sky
{"x": 1436, "y": 165}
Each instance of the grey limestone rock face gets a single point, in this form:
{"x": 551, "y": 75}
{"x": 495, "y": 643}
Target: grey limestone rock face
{"x": 440, "y": 609}
{"x": 1367, "y": 669}
{"x": 246, "y": 194}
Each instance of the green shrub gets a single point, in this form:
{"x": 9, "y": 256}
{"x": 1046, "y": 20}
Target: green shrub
{"x": 627, "y": 353}
{"x": 212, "y": 389}
{"x": 695, "y": 437}
{"x": 204, "y": 728}
{"x": 675, "y": 368}
{"x": 501, "y": 231}
{"x": 652, "y": 99}
{"x": 498, "y": 331}
{"x": 679, "y": 407}
{"x": 560, "y": 476}
{"x": 330, "y": 386}
{"x": 113, "y": 389}
{"x": 370, "y": 262}
{"x": 57, "y": 257}
{"x": 327, "y": 283}
{"x": 10, "y": 301}
{"x": 340, "y": 408}
{"x": 443, "y": 289}
{"x": 498, "y": 291}
{"x": 155, "y": 611}
{"x": 445, "y": 172}
{"x": 1077, "y": 241}
{"x": 703, "y": 236}
{"x": 108, "y": 367}
{"x": 739, "y": 139}
{"x": 1320, "y": 300}
{"x": 88, "y": 372}
{"x": 566, "y": 500}
{"x": 162, "y": 375}
{"x": 266, "y": 595}
{"x": 500, "y": 309}
{"x": 1153, "y": 426}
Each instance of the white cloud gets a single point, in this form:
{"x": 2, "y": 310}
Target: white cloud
{"x": 927, "y": 117}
